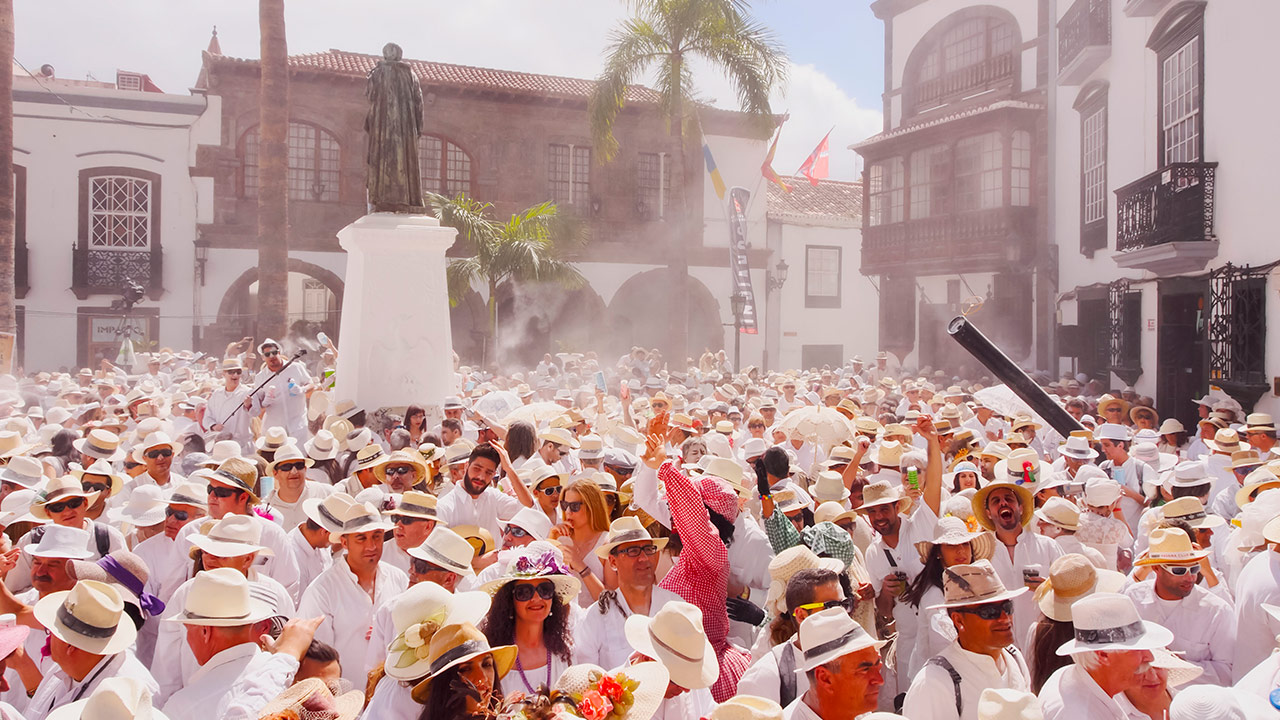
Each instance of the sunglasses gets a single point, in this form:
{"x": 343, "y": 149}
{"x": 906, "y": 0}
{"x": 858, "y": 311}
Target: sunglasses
{"x": 399, "y": 470}
{"x": 291, "y": 466}
{"x": 181, "y": 515}
{"x": 223, "y": 492}
{"x": 550, "y": 491}
{"x": 68, "y": 504}
{"x": 233, "y": 372}
{"x": 636, "y": 551}
{"x": 1180, "y": 570}
{"x": 842, "y": 603}
{"x": 94, "y": 487}
{"x": 406, "y": 520}
{"x": 515, "y": 532}
{"x": 270, "y": 353}
{"x": 524, "y": 593}
{"x": 990, "y": 611}
{"x": 621, "y": 472}
{"x": 571, "y": 506}
{"x": 165, "y": 452}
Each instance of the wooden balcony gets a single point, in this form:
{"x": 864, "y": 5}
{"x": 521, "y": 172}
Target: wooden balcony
{"x": 986, "y": 240}
{"x": 104, "y": 272}
{"x": 1164, "y": 221}
{"x": 966, "y": 81}
{"x": 1084, "y": 40}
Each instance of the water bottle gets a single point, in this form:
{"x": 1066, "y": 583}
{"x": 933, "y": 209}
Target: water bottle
{"x": 293, "y": 389}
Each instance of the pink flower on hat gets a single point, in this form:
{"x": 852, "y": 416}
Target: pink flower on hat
{"x": 594, "y": 706}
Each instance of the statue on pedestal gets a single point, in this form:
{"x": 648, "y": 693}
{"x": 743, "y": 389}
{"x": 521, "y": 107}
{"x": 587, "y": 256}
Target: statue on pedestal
{"x": 394, "y": 124}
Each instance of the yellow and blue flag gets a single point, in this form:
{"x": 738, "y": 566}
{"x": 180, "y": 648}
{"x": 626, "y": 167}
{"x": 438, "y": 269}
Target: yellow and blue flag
{"x": 716, "y": 181}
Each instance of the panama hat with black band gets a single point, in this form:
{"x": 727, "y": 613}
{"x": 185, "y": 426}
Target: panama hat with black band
{"x": 100, "y": 445}
{"x": 446, "y": 550}
{"x": 222, "y": 598}
{"x": 453, "y": 645}
{"x": 226, "y": 476}
{"x": 829, "y": 635}
{"x": 627, "y": 529}
{"x": 359, "y": 518}
{"x": 89, "y": 617}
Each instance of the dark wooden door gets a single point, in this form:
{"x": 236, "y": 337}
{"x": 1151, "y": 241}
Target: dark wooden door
{"x": 1181, "y": 352}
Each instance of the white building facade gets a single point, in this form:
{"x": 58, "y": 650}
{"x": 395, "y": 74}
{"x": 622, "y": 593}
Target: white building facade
{"x": 1163, "y": 198}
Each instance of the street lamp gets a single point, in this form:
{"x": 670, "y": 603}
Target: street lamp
{"x": 776, "y": 279}
{"x": 738, "y": 303}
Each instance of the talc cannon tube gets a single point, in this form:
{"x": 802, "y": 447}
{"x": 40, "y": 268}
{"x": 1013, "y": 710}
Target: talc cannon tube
{"x": 999, "y": 364}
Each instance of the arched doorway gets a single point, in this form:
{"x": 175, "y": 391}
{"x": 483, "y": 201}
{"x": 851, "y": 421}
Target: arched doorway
{"x": 539, "y": 318}
{"x": 315, "y": 305}
{"x": 637, "y": 316}
{"x": 469, "y": 327}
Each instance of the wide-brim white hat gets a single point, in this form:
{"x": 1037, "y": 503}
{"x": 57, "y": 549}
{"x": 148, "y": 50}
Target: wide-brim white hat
{"x": 90, "y": 617}
{"x": 675, "y": 637}
{"x": 115, "y": 698}
{"x": 416, "y": 614}
{"x": 1107, "y": 622}
{"x": 222, "y": 598}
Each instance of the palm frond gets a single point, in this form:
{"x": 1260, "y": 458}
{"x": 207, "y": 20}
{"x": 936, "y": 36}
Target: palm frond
{"x": 468, "y": 216}
{"x": 632, "y": 48}
{"x": 460, "y": 273}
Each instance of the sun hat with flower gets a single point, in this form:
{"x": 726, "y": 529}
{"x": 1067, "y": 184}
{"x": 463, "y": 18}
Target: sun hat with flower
{"x": 633, "y": 692}
{"x": 417, "y": 615}
{"x": 539, "y": 560}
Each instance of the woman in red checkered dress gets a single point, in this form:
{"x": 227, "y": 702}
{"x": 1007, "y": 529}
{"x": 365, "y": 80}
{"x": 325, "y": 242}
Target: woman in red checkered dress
{"x": 701, "y": 572}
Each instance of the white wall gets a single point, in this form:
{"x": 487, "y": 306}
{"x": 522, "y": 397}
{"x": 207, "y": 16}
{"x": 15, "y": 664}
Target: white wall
{"x": 55, "y": 142}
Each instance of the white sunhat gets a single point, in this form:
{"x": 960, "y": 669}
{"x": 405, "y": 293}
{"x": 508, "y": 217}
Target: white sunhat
{"x": 830, "y": 634}
{"x": 115, "y": 698}
{"x": 222, "y": 598}
{"x": 232, "y": 536}
{"x": 1101, "y": 492}
{"x": 90, "y": 617}
{"x": 531, "y": 520}
{"x": 416, "y": 614}
{"x": 144, "y": 508}
{"x": 446, "y": 549}
{"x": 59, "y": 541}
{"x": 675, "y": 637}
{"x": 23, "y": 470}
{"x": 1110, "y": 622}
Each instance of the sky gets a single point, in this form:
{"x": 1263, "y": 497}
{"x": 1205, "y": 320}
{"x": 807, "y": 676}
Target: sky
{"x": 835, "y": 47}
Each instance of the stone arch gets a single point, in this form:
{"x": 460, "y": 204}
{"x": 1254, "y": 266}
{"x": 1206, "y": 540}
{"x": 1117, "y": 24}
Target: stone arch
{"x": 234, "y": 322}
{"x": 934, "y": 36}
{"x": 638, "y": 315}
{"x": 469, "y": 327}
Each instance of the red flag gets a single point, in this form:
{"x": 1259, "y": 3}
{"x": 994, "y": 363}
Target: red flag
{"x": 815, "y": 166}
{"x": 767, "y": 168}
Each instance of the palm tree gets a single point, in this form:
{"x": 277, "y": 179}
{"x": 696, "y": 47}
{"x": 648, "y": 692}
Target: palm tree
{"x": 273, "y": 171}
{"x": 8, "y": 319}
{"x": 661, "y": 37}
{"x": 529, "y": 247}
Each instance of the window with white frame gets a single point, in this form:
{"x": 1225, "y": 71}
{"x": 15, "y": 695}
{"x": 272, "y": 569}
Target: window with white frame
{"x": 979, "y": 172}
{"x": 653, "y": 184}
{"x": 1180, "y": 103}
{"x": 314, "y": 162}
{"x": 930, "y": 181}
{"x": 1093, "y": 165}
{"x": 1020, "y": 168}
{"x": 119, "y": 213}
{"x": 885, "y": 180}
{"x": 445, "y": 167}
{"x": 315, "y": 300}
{"x": 569, "y": 174}
{"x": 822, "y": 276}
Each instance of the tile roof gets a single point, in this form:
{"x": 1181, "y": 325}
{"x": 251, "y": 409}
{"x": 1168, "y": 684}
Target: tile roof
{"x": 461, "y": 76}
{"x": 969, "y": 112}
{"x": 830, "y": 202}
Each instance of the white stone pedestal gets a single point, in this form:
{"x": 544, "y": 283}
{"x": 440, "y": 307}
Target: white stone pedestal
{"x": 395, "y": 347}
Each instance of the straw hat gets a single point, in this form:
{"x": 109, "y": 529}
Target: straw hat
{"x": 1060, "y": 512}
{"x": 980, "y": 502}
{"x": 830, "y": 634}
{"x": 416, "y": 504}
{"x": 455, "y": 644}
{"x": 96, "y": 612}
{"x": 101, "y": 445}
{"x": 417, "y": 614}
{"x": 286, "y": 454}
{"x": 158, "y": 439}
{"x": 723, "y": 468}
{"x": 974, "y": 584}
{"x": 1019, "y": 463}
{"x": 627, "y": 529}
{"x": 536, "y": 561}
{"x": 889, "y": 454}
{"x": 1190, "y": 473}
{"x": 952, "y": 531}
{"x": 1225, "y": 441}
{"x": 221, "y": 598}
{"x": 446, "y": 549}
{"x": 1072, "y": 577}
{"x": 1170, "y": 426}
{"x": 1191, "y": 511}
{"x": 25, "y": 471}
{"x": 883, "y": 492}
{"x": 221, "y": 451}
{"x": 645, "y": 682}
{"x": 675, "y": 637}
{"x": 1244, "y": 459}
{"x": 190, "y": 493}
{"x": 232, "y": 536}
{"x": 1107, "y": 401}
{"x": 115, "y": 698}
{"x": 58, "y": 489}
{"x": 1260, "y": 422}
{"x": 1264, "y": 478}
{"x": 359, "y": 518}
{"x": 559, "y": 436}
{"x": 369, "y": 457}
{"x": 402, "y": 457}
{"x": 1171, "y": 546}
{"x": 324, "y": 446}
{"x": 830, "y": 487}
{"x": 997, "y": 450}
{"x": 1109, "y": 622}
{"x": 746, "y": 707}
{"x": 1181, "y": 672}
{"x": 16, "y": 508}
{"x": 311, "y": 697}
{"x": 272, "y": 439}
{"x": 237, "y": 473}
{"x": 1008, "y": 704}
{"x": 99, "y": 468}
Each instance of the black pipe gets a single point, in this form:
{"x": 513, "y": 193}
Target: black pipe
{"x": 991, "y": 357}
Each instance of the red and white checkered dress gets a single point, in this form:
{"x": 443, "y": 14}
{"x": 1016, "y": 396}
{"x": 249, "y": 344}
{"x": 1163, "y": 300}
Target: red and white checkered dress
{"x": 701, "y": 576}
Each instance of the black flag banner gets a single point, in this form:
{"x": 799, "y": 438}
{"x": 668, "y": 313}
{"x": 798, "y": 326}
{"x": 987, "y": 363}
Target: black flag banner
{"x": 738, "y": 263}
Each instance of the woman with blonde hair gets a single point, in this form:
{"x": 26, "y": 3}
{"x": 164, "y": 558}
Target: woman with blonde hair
{"x": 584, "y": 526}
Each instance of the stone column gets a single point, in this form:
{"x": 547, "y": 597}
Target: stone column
{"x": 396, "y": 347}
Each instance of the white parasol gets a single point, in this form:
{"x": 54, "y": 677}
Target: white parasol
{"x": 1003, "y": 400}
{"x": 498, "y": 404}
{"x": 822, "y": 426}
{"x": 534, "y": 413}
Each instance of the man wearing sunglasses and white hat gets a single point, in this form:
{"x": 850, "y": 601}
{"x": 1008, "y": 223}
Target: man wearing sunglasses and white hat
{"x": 1111, "y": 653}
{"x": 842, "y": 663}
{"x": 284, "y": 398}
{"x": 982, "y": 655}
{"x": 231, "y": 404}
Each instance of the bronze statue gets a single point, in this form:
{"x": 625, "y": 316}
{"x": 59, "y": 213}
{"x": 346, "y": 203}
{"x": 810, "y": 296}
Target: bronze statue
{"x": 394, "y": 124}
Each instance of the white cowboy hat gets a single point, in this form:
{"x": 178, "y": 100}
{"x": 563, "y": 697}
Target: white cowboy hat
{"x": 221, "y": 598}
{"x": 115, "y": 698}
{"x": 232, "y": 536}
{"x": 416, "y": 615}
{"x": 321, "y": 447}
{"x": 531, "y": 520}
{"x": 675, "y": 637}
{"x": 626, "y": 529}
{"x": 830, "y": 634}
{"x": 747, "y": 707}
{"x": 974, "y": 584}
{"x": 90, "y": 617}
{"x": 144, "y": 508}
{"x": 446, "y": 549}
{"x": 1110, "y": 621}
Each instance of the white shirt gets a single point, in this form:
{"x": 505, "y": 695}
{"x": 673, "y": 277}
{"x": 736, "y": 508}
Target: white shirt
{"x": 1203, "y": 625}
{"x": 311, "y": 561}
{"x": 934, "y": 630}
{"x": 58, "y": 689}
{"x": 1071, "y": 694}
{"x": 392, "y": 701}
{"x": 1259, "y": 583}
{"x": 348, "y": 611}
{"x": 244, "y": 677}
{"x": 167, "y": 565}
{"x": 290, "y": 513}
{"x": 175, "y": 665}
{"x": 285, "y": 406}
{"x": 685, "y": 706}
{"x": 459, "y": 508}
{"x": 764, "y": 677}
{"x": 919, "y": 526}
{"x": 1030, "y": 549}
{"x": 221, "y": 404}
{"x": 932, "y": 694}
{"x": 599, "y": 637}
{"x": 280, "y": 565}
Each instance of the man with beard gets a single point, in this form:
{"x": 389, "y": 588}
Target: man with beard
{"x": 284, "y": 398}
{"x": 481, "y": 503}
{"x": 981, "y": 656}
{"x": 1021, "y": 557}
